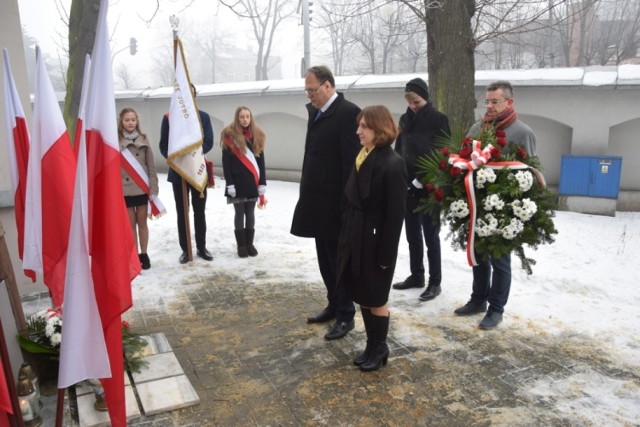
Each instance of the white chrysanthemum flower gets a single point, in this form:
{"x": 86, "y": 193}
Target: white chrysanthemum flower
{"x": 484, "y": 175}
{"x": 49, "y": 329}
{"x": 493, "y": 202}
{"x": 525, "y": 180}
{"x": 486, "y": 226}
{"x": 56, "y": 338}
{"x": 524, "y": 209}
{"x": 514, "y": 228}
{"x": 459, "y": 208}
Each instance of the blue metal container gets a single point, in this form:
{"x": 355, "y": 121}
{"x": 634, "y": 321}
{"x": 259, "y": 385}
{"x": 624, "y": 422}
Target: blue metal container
{"x": 591, "y": 176}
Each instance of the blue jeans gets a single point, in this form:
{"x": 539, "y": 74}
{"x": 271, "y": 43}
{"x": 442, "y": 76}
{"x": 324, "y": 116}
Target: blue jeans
{"x": 417, "y": 226}
{"x": 339, "y": 301}
{"x": 492, "y": 286}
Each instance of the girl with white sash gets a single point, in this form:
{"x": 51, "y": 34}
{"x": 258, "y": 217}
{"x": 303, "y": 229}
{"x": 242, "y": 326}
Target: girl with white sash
{"x": 139, "y": 180}
{"x": 244, "y": 173}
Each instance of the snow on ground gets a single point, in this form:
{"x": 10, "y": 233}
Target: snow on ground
{"x": 581, "y": 297}
{"x": 582, "y": 284}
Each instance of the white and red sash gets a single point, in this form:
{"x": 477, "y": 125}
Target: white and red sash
{"x": 480, "y": 157}
{"x": 249, "y": 162}
{"x": 135, "y": 170}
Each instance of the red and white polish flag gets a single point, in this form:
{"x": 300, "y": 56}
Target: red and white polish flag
{"x": 17, "y": 139}
{"x": 49, "y": 193}
{"x": 113, "y": 256}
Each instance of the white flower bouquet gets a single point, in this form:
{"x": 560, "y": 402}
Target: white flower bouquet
{"x": 491, "y": 194}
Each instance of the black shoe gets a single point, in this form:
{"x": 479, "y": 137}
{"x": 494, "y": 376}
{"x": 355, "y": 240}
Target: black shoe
{"x": 409, "y": 282}
{"x": 491, "y": 320}
{"x": 184, "y": 258}
{"x": 324, "y": 316}
{"x": 430, "y": 293}
{"x": 145, "y": 262}
{"x": 205, "y": 254}
{"x": 339, "y": 330}
{"x": 470, "y": 308}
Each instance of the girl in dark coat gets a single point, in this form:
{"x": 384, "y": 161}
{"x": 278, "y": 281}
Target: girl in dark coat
{"x": 373, "y": 213}
{"x": 244, "y": 172}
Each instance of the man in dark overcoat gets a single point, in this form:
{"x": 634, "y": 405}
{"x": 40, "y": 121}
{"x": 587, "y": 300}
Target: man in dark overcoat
{"x": 331, "y": 147}
{"x": 420, "y": 126}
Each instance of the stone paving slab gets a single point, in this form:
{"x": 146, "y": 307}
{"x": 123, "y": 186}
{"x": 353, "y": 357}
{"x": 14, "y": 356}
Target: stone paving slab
{"x": 89, "y": 417}
{"x": 254, "y": 361}
{"x": 160, "y": 387}
{"x": 167, "y": 394}
{"x": 161, "y": 365}
{"x": 156, "y": 343}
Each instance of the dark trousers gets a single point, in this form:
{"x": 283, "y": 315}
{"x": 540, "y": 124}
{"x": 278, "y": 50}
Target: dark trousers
{"x": 492, "y": 282}
{"x": 198, "y": 205}
{"x": 418, "y": 226}
{"x": 339, "y": 301}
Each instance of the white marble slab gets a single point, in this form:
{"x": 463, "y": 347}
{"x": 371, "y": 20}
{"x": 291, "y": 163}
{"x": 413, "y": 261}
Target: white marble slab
{"x": 161, "y": 386}
{"x": 161, "y": 365}
{"x": 156, "y": 343}
{"x": 84, "y": 387}
{"x": 166, "y": 394}
{"x": 89, "y": 417}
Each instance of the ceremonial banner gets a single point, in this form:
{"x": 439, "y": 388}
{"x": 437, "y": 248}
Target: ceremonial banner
{"x": 184, "y": 153}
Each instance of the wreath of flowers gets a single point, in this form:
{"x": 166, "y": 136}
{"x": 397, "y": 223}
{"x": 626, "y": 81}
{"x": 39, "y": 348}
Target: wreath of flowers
{"x": 44, "y": 335}
{"x": 492, "y": 195}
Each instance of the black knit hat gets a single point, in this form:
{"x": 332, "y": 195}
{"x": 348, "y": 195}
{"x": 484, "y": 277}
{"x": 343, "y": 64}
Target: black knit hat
{"x": 419, "y": 87}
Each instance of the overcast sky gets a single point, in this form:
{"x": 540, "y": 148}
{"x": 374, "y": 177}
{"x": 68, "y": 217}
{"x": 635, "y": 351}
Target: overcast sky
{"x": 127, "y": 19}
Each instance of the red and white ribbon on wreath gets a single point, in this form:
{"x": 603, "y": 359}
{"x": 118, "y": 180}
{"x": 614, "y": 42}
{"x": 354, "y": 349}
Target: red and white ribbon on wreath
{"x": 480, "y": 157}
{"x": 155, "y": 207}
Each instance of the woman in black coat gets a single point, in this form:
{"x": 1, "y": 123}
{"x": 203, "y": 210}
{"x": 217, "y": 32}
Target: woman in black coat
{"x": 372, "y": 217}
{"x": 244, "y": 173}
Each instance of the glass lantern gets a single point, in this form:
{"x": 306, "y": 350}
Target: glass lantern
{"x": 29, "y": 403}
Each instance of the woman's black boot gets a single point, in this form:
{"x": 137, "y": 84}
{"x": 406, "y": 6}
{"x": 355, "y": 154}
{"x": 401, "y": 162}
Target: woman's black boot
{"x": 368, "y": 328}
{"x": 380, "y": 351}
{"x": 241, "y": 241}
{"x": 250, "y": 232}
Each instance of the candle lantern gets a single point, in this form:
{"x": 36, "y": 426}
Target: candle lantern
{"x": 30, "y": 373}
{"x": 29, "y": 406}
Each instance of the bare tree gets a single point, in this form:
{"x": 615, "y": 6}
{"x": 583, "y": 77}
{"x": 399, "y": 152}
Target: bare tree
{"x": 265, "y": 16}
{"x": 163, "y": 64}
{"x": 411, "y": 48}
{"x": 123, "y": 72}
{"x": 450, "y": 59}
{"x": 83, "y": 21}
{"x": 373, "y": 34}
{"x": 600, "y": 31}
{"x": 364, "y": 34}
{"x": 334, "y": 20}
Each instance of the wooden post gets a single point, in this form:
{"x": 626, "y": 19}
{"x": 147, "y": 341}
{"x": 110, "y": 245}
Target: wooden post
{"x": 6, "y": 274}
{"x": 16, "y": 418}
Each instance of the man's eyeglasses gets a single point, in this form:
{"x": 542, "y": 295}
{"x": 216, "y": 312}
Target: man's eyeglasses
{"x": 494, "y": 101}
{"x": 312, "y": 91}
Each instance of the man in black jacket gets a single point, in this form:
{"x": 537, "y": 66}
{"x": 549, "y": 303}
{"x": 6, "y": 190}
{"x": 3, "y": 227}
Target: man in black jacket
{"x": 198, "y": 203}
{"x": 331, "y": 147}
{"x": 419, "y": 128}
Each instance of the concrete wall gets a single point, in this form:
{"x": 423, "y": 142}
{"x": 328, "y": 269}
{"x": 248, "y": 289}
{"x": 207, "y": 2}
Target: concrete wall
{"x": 592, "y": 111}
